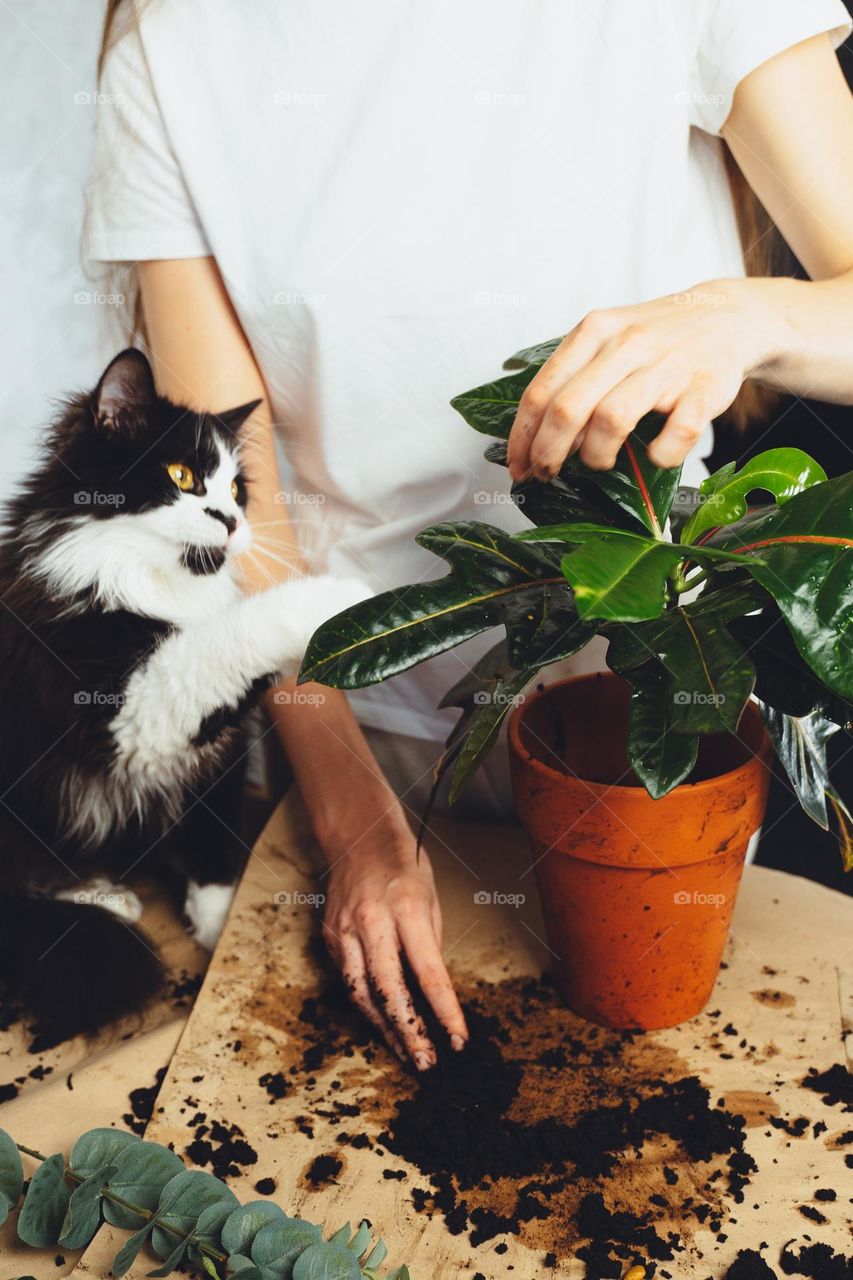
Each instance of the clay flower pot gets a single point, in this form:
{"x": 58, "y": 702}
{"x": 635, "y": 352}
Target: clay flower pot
{"x": 637, "y": 893}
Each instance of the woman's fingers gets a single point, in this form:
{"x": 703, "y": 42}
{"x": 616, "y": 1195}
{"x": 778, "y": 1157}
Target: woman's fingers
{"x": 572, "y": 402}
{"x": 576, "y": 350}
{"x": 422, "y": 949}
{"x": 348, "y": 954}
{"x": 385, "y": 971}
{"x": 690, "y": 415}
{"x": 615, "y": 417}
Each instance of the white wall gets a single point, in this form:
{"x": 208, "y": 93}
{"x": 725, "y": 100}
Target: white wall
{"x": 50, "y": 335}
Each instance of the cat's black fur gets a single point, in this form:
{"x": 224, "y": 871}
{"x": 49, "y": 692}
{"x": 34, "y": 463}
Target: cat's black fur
{"x": 64, "y": 664}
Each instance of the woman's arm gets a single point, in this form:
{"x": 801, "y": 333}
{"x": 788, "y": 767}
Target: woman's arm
{"x": 381, "y": 898}
{"x": 791, "y": 131}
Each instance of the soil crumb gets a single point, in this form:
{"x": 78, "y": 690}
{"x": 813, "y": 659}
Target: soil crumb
{"x": 749, "y": 1265}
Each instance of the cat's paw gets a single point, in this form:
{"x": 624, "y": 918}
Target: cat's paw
{"x": 206, "y": 908}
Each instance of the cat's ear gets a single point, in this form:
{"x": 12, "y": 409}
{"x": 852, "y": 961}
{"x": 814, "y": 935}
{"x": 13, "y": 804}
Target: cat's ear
{"x": 125, "y": 391}
{"x": 233, "y": 419}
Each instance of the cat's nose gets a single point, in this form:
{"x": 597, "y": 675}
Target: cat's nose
{"x": 229, "y": 521}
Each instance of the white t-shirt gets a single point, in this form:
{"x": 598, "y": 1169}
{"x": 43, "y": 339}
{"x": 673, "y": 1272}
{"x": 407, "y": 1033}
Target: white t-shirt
{"x": 398, "y": 196}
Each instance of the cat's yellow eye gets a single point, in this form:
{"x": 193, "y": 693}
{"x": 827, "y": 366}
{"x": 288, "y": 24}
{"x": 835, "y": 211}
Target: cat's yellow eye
{"x": 182, "y": 476}
{"x": 235, "y": 490}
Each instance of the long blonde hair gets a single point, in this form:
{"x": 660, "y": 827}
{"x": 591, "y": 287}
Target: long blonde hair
{"x": 765, "y": 250}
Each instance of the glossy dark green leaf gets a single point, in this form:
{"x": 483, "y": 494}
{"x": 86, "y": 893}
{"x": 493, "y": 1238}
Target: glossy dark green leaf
{"x": 385, "y": 635}
{"x": 780, "y": 472}
{"x": 660, "y": 757}
{"x": 536, "y": 355}
{"x": 806, "y": 563}
{"x": 489, "y": 713}
{"x": 492, "y": 407}
{"x": 83, "y": 1216}
{"x": 711, "y": 676}
{"x": 644, "y": 491}
{"x": 45, "y": 1204}
{"x": 616, "y": 575}
{"x": 142, "y": 1171}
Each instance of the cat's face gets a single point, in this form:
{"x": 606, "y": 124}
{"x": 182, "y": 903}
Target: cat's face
{"x": 164, "y": 478}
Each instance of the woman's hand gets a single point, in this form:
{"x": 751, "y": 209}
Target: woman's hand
{"x": 685, "y": 356}
{"x": 381, "y": 904}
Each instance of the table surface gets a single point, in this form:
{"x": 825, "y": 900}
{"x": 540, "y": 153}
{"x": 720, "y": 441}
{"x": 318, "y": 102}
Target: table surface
{"x": 782, "y": 1006}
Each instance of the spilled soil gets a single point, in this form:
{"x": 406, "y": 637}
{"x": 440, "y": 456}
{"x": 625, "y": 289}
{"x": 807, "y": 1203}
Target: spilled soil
{"x": 578, "y": 1140}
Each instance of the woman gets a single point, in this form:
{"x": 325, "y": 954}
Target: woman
{"x": 355, "y": 211}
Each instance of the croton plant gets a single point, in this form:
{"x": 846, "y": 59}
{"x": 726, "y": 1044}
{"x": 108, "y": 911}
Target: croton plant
{"x": 704, "y": 599}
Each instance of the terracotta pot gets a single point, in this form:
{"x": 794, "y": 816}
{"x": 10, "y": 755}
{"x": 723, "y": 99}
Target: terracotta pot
{"x": 637, "y": 893}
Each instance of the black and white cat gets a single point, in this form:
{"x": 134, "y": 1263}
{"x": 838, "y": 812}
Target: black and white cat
{"x": 128, "y": 656}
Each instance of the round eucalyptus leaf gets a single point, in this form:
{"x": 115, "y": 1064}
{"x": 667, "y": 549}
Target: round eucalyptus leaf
{"x": 83, "y": 1216}
{"x": 244, "y": 1224}
{"x": 142, "y": 1171}
{"x": 275, "y": 1248}
{"x": 182, "y": 1202}
{"x": 45, "y": 1205}
{"x": 210, "y": 1229}
{"x": 126, "y": 1256}
{"x": 326, "y": 1261}
{"x": 11, "y": 1169}
{"x": 97, "y": 1148}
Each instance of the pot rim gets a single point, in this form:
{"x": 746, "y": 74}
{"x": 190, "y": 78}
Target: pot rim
{"x": 704, "y": 784}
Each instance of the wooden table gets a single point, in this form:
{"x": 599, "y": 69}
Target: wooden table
{"x": 784, "y": 992}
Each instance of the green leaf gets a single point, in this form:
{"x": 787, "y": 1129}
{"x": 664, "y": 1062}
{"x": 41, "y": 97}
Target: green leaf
{"x": 326, "y": 1261}
{"x": 780, "y": 472}
{"x": 800, "y": 743}
{"x": 492, "y": 407}
{"x": 660, "y": 757}
{"x": 11, "y": 1173}
{"x": 99, "y": 1147}
{"x": 173, "y": 1260}
{"x": 391, "y": 632}
{"x": 536, "y": 355}
{"x": 806, "y": 563}
{"x": 243, "y": 1224}
{"x": 644, "y": 491}
{"x": 83, "y": 1216}
{"x": 129, "y": 1251}
{"x": 377, "y": 1255}
{"x": 182, "y": 1202}
{"x": 211, "y": 1224}
{"x": 617, "y": 575}
{"x": 209, "y": 1266}
{"x": 45, "y": 1204}
{"x": 277, "y": 1246}
{"x": 488, "y": 716}
{"x": 142, "y": 1171}
{"x": 361, "y": 1238}
{"x": 711, "y": 676}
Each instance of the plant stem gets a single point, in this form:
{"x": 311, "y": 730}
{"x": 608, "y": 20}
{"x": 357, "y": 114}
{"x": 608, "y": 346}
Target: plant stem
{"x": 147, "y": 1214}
